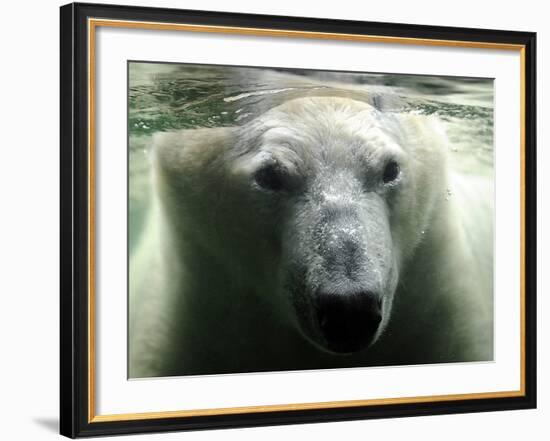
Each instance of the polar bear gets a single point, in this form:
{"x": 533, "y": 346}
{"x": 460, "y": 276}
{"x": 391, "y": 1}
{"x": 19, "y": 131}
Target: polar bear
{"x": 324, "y": 233}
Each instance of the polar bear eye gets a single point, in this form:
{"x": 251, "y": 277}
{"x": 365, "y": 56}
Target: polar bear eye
{"x": 391, "y": 172}
{"x": 269, "y": 177}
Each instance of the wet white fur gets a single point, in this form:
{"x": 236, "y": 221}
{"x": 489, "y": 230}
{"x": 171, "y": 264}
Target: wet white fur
{"x": 206, "y": 281}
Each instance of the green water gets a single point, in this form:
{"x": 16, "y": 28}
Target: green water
{"x": 175, "y": 96}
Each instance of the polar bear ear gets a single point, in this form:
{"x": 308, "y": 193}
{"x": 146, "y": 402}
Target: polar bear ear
{"x": 190, "y": 150}
{"x": 420, "y": 132}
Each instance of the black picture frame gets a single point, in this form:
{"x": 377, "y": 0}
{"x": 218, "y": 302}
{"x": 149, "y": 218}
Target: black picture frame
{"x": 77, "y": 418}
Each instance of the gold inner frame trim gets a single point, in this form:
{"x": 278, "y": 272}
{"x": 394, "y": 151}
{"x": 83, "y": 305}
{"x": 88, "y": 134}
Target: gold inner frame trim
{"x": 92, "y": 25}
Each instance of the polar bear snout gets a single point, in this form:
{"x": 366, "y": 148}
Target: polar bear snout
{"x": 348, "y": 320}
{"x": 343, "y": 276}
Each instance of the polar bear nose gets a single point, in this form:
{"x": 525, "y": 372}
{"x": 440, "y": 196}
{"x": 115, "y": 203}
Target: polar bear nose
{"x": 348, "y": 320}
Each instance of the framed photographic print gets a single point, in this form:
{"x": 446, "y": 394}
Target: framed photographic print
{"x": 272, "y": 220}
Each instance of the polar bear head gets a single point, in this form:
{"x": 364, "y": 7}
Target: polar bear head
{"x": 316, "y": 205}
